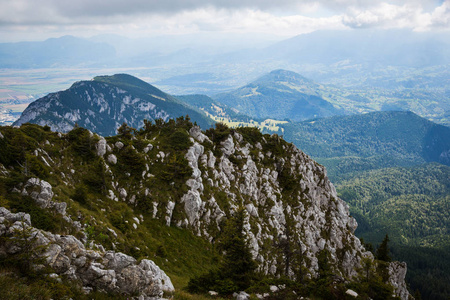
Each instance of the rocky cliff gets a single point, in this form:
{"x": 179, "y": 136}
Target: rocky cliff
{"x": 187, "y": 179}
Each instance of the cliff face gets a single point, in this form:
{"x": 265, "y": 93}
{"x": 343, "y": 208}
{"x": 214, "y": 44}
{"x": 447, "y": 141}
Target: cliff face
{"x": 185, "y": 178}
{"x": 287, "y": 196}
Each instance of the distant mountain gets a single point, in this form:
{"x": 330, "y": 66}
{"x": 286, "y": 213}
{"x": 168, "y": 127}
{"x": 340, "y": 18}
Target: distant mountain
{"x": 212, "y": 107}
{"x": 66, "y": 51}
{"x": 104, "y": 103}
{"x": 369, "y": 141}
{"x": 368, "y": 47}
{"x": 280, "y": 95}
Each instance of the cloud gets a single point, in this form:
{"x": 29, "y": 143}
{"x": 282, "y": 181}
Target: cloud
{"x": 440, "y": 17}
{"x": 383, "y": 15}
{"x": 149, "y": 17}
{"x": 83, "y": 11}
{"x": 412, "y": 15}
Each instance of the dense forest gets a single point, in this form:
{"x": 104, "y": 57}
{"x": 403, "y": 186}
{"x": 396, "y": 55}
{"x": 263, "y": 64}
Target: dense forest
{"x": 412, "y": 205}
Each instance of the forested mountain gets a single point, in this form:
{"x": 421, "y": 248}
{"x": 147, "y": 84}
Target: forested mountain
{"x": 104, "y": 103}
{"x": 376, "y": 161}
{"x": 279, "y": 95}
{"x": 222, "y": 203}
{"x": 368, "y": 141}
{"x": 412, "y": 205}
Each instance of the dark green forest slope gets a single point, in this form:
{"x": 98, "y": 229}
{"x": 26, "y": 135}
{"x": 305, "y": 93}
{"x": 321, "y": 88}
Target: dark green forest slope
{"x": 348, "y": 144}
{"x": 412, "y": 205}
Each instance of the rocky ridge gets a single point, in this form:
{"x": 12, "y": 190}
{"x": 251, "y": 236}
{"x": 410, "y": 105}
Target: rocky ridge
{"x": 286, "y": 195}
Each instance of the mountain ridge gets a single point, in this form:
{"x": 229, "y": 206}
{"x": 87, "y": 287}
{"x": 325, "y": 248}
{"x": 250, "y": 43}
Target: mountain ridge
{"x": 280, "y": 95}
{"x": 119, "y": 187}
{"x": 104, "y": 103}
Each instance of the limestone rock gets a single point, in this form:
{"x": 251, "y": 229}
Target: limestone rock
{"x": 241, "y": 296}
{"x": 198, "y": 135}
{"x": 228, "y": 146}
{"x": 112, "y": 159}
{"x": 119, "y": 145}
{"x": 101, "y": 146}
{"x": 397, "y": 273}
{"x": 147, "y": 148}
{"x": 351, "y": 293}
{"x": 41, "y": 192}
{"x": 109, "y": 271}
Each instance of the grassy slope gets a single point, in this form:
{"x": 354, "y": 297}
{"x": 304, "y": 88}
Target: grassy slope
{"x": 177, "y": 251}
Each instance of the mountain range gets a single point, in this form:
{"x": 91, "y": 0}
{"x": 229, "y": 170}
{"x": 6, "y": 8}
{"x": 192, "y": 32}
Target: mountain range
{"x": 55, "y": 52}
{"x": 353, "y": 148}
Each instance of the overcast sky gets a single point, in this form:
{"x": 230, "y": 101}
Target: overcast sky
{"x": 41, "y": 19}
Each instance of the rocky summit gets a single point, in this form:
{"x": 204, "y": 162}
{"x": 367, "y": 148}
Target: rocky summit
{"x": 166, "y": 192}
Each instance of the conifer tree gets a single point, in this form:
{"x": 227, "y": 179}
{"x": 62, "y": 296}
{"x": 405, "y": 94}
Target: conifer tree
{"x": 238, "y": 264}
{"x": 383, "y": 250}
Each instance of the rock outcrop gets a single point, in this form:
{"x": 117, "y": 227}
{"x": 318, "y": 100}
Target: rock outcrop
{"x": 104, "y": 270}
{"x": 397, "y": 274}
{"x": 321, "y": 220}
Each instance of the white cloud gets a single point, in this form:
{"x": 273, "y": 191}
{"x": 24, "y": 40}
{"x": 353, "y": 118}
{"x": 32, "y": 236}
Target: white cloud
{"x": 46, "y": 18}
{"x": 384, "y": 15}
{"x": 441, "y": 16}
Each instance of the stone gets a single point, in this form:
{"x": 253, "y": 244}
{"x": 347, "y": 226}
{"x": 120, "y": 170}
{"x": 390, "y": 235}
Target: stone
{"x": 228, "y": 146}
{"x": 352, "y": 293}
{"x": 41, "y": 192}
{"x": 119, "y": 145}
{"x": 113, "y": 272}
{"x": 101, "y": 147}
{"x": 123, "y": 193}
{"x": 397, "y": 272}
{"x": 112, "y": 159}
{"x": 241, "y": 296}
{"x": 213, "y": 293}
{"x": 147, "y": 148}
{"x": 198, "y": 135}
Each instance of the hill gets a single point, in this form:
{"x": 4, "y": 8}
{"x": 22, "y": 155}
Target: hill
{"x": 101, "y": 208}
{"x": 374, "y": 140}
{"x": 279, "y": 95}
{"x": 412, "y": 206}
{"x": 104, "y": 103}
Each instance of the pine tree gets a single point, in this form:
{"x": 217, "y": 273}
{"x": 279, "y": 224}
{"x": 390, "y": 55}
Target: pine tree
{"x": 238, "y": 264}
{"x": 237, "y": 268}
{"x": 383, "y": 250}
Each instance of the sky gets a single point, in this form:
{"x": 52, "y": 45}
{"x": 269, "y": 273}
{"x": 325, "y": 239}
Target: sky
{"x": 41, "y": 19}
